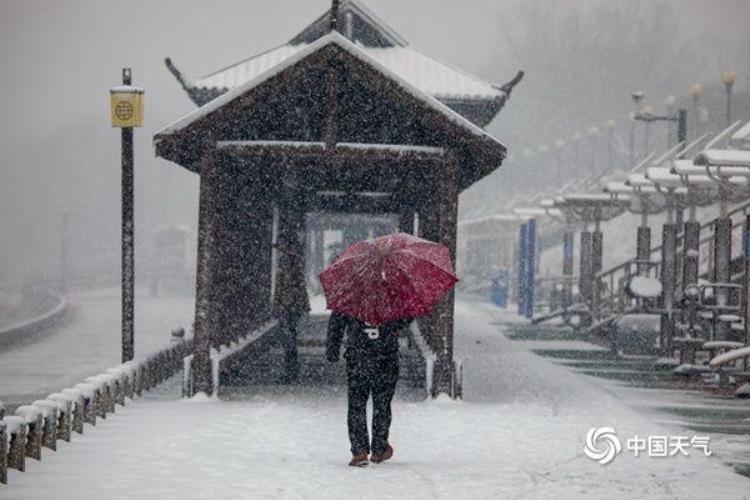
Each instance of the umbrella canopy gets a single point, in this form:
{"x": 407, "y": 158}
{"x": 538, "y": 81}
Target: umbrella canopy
{"x": 387, "y": 279}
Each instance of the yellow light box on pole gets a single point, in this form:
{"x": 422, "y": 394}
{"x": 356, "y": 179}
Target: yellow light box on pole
{"x": 126, "y": 106}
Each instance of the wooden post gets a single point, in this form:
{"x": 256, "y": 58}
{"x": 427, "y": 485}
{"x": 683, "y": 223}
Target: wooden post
{"x": 568, "y": 242}
{"x": 447, "y": 214}
{"x": 746, "y": 288}
{"x": 16, "y": 430}
{"x": 34, "y": 418}
{"x": 597, "y": 249}
{"x": 3, "y": 453}
{"x": 643, "y": 248}
{"x": 722, "y": 271}
{"x": 523, "y": 261}
{"x": 669, "y": 285}
{"x": 584, "y": 278}
{"x": 201, "y": 366}
{"x": 530, "y": 268}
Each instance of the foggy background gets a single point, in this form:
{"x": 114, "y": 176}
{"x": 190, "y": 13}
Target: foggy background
{"x": 58, "y": 153}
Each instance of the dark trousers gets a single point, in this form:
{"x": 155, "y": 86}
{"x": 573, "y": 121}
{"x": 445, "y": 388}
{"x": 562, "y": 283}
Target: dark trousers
{"x": 288, "y": 329}
{"x": 365, "y": 376}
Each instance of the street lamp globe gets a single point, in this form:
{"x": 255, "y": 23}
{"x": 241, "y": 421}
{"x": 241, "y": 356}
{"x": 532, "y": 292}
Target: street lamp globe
{"x": 695, "y": 90}
{"x": 728, "y": 77}
{"x": 670, "y": 101}
{"x": 648, "y": 110}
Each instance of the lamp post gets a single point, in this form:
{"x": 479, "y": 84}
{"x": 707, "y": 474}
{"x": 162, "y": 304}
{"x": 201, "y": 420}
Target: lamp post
{"x": 728, "y": 78}
{"x": 593, "y": 133}
{"x": 560, "y": 145}
{"x": 695, "y": 93}
{"x": 646, "y": 113}
{"x": 610, "y": 142}
{"x": 126, "y": 107}
{"x": 669, "y": 103}
{"x": 637, "y": 97}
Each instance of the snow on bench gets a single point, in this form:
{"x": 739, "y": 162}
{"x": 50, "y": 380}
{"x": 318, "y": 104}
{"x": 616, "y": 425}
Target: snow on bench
{"x": 730, "y": 356}
{"x": 713, "y": 345}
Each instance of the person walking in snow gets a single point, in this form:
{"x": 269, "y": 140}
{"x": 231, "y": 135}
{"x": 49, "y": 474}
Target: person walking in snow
{"x": 372, "y": 368}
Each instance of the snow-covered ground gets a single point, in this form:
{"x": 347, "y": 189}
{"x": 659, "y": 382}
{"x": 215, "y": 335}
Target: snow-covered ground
{"x": 88, "y": 342}
{"x": 519, "y": 434}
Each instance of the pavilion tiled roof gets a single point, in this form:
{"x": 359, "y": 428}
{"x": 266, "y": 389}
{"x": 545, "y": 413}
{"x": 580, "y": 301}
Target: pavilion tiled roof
{"x": 467, "y": 94}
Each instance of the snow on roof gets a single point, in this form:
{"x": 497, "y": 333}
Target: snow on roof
{"x": 741, "y": 138}
{"x": 433, "y": 77}
{"x": 687, "y": 167}
{"x": 664, "y": 177}
{"x": 356, "y": 51}
{"x": 623, "y": 188}
{"x": 638, "y": 180}
{"x": 727, "y": 157}
{"x": 493, "y": 218}
{"x": 394, "y": 148}
{"x": 593, "y": 198}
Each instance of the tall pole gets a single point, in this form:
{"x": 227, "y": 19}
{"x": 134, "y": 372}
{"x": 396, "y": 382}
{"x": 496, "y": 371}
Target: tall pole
{"x": 128, "y": 243}
{"x": 64, "y": 253}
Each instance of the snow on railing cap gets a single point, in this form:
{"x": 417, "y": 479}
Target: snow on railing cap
{"x": 30, "y": 412}
{"x": 73, "y": 392}
{"x": 723, "y": 157}
{"x": 100, "y": 381}
{"x": 13, "y": 423}
{"x": 62, "y": 399}
{"x": 87, "y": 389}
{"x": 47, "y": 406}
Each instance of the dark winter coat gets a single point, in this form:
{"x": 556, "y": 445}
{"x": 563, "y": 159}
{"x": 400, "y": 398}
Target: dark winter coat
{"x": 362, "y": 341}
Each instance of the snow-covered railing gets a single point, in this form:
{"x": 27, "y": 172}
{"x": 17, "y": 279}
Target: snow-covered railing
{"x": 42, "y": 423}
{"x": 224, "y": 357}
{"x": 425, "y": 351}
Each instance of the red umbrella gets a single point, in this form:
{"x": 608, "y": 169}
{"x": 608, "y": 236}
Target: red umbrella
{"x": 387, "y": 279}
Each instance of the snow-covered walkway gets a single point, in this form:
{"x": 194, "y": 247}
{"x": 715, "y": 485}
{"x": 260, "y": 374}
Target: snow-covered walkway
{"x": 518, "y": 434}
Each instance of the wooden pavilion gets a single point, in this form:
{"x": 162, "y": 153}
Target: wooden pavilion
{"x": 328, "y": 128}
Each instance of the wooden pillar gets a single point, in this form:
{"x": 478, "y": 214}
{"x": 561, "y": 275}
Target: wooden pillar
{"x": 669, "y": 285}
{"x": 201, "y": 365}
{"x": 584, "y": 273}
{"x": 722, "y": 271}
{"x": 523, "y": 241}
{"x": 568, "y": 241}
{"x": 746, "y": 281}
{"x": 250, "y": 259}
{"x": 406, "y": 220}
{"x": 291, "y": 287}
{"x": 446, "y": 214}
{"x": 530, "y": 268}
{"x": 597, "y": 254}
{"x": 643, "y": 248}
